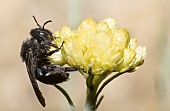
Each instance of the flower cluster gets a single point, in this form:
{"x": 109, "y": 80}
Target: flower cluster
{"x": 103, "y": 46}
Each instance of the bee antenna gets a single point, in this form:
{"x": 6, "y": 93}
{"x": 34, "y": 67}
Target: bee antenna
{"x": 46, "y": 23}
{"x": 36, "y": 22}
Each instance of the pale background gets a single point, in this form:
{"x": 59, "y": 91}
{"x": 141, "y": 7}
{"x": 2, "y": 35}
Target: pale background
{"x": 147, "y": 89}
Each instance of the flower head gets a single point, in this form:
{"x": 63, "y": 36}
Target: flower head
{"x": 103, "y": 46}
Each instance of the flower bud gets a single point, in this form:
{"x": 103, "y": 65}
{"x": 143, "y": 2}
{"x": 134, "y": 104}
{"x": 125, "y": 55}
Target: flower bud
{"x": 103, "y": 46}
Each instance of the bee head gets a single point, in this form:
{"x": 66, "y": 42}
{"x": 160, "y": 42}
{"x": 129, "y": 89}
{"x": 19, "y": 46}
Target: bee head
{"x": 41, "y": 33}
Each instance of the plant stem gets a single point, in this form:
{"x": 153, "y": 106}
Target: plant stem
{"x": 99, "y": 101}
{"x": 67, "y": 97}
{"x": 90, "y": 104}
{"x": 108, "y": 81}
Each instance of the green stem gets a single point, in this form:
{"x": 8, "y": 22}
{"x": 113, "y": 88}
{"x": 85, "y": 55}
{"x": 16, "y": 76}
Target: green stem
{"x": 99, "y": 101}
{"x": 108, "y": 81}
{"x": 93, "y": 91}
{"x": 67, "y": 97}
{"x": 90, "y": 104}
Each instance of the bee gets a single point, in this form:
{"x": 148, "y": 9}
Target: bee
{"x": 34, "y": 52}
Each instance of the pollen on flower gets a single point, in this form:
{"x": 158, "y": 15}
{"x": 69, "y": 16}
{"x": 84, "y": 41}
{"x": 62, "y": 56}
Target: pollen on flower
{"x": 102, "y": 45}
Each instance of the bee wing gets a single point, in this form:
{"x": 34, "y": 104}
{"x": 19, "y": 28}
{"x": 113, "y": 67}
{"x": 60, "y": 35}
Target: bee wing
{"x": 31, "y": 67}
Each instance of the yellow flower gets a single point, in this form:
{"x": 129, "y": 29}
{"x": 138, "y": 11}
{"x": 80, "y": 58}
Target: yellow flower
{"x": 103, "y": 46}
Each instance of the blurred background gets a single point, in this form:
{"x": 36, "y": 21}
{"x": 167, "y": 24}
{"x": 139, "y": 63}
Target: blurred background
{"x": 147, "y": 89}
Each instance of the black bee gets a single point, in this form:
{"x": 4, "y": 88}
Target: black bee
{"x": 35, "y": 52}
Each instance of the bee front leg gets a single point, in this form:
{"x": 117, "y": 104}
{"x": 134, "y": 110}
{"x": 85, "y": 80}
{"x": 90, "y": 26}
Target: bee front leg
{"x": 55, "y": 46}
{"x": 69, "y": 69}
